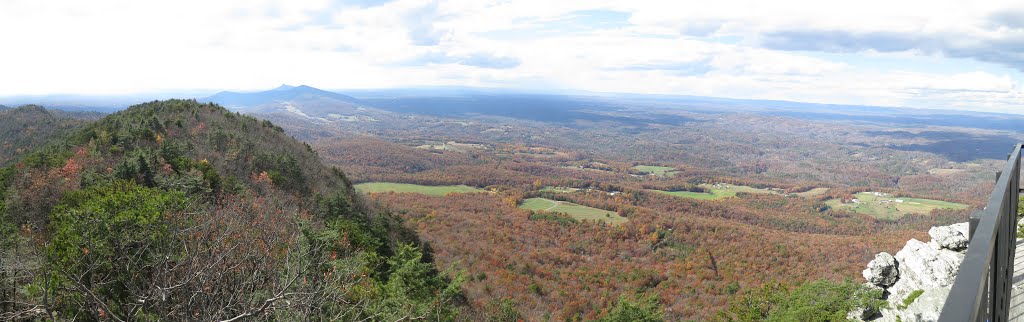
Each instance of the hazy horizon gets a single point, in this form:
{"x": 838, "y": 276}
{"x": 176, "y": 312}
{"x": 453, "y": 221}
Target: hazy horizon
{"x": 910, "y": 54}
{"x": 114, "y": 102}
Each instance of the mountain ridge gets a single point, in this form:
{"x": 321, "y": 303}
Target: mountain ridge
{"x": 307, "y": 99}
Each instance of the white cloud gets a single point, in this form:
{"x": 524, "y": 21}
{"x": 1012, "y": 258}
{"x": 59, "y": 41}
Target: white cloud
{"x": 743, "y": 49}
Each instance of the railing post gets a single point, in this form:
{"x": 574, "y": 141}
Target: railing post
{"x": 974, "y": 219}
{"x": 1010, "y": 237}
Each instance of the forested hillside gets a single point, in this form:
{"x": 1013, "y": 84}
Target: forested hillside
{"x": 177, "y": 210}
{"x": 25, "y": 128}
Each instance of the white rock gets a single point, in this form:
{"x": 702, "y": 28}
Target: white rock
{"x": 924, "y": 267}
{"x": 925, "y": 308}
{"x": 964, "y": 228}
{"x": 882, "y": 271}
{"x": 874, "y": 287}
{"x": 953, "y": 237}
{"x": 930, "y": 267}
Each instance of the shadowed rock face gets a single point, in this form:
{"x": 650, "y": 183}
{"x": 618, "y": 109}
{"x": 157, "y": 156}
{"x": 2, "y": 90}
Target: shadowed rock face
{"x": 928, "y": 267}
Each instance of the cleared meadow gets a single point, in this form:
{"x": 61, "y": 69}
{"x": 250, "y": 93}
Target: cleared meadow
{"x": 377, "y": 187}
{"x": 657, "y": 170}
{"x": 812, "y": 192}
{"x": 579, "y": 212}
{"x": 716, "y": 191}
{"x": 886, "y": 206}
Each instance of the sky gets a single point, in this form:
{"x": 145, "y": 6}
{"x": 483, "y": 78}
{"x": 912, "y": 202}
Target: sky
{"x": 927, "y": 54}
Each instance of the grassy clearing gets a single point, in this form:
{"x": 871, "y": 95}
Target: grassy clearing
{"x": 453, "y": 146}
{"x": 535, "y": 152}
{"x": 579, "y": 212}
{"x": 375, "y": 187}
{"x": 812, "y": 192}
{"x": 657, "y": 170}
{"x": 538, "y": 204}
{"x": 716, "y": 191}
{"x": 885, "y": 206}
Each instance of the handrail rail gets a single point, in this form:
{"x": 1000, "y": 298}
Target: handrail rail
{"x": 981, "y": 290}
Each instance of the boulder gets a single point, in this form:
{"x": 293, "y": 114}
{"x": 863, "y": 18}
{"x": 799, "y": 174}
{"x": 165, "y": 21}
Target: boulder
{"x": 952, "y": 237}
{"x": 882, "y": 271}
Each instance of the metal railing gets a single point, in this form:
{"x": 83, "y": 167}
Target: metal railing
{"x": 981, "y": 291}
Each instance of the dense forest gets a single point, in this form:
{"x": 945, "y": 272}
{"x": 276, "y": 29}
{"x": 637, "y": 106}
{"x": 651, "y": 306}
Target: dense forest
{"x": 176, "y": 210}
{"x": 29, "y": 127}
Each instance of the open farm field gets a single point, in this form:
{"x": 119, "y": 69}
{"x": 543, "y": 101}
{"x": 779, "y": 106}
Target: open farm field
{"x": 579, "y": 212}
{"x": 657, "y": 170}
{"x": 376, "y": 187}
{"x": 716, "y": 191}
{"x": 885, "y": 206}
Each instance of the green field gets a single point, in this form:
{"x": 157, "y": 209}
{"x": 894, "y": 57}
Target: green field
{"x": 886, "y": 206}
{"x": 812, "y": 192}
{"x": 657, "y": 170}
{"x": 371, "y": 187}
{"x": 716, "y": 191}
{"x": 579, "y": 212}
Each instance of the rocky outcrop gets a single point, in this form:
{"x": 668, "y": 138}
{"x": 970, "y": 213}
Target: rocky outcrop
{"x": 882, "y": 271}
{"x": 923, "y": 266}
{"x": 952, "y": 237}
{"x": 918, "y": 278}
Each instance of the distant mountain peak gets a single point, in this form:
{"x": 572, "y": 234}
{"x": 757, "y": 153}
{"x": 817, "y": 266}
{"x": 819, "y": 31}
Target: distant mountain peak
{"x": 308, "y": 99}
{"x": 311, "y": 89}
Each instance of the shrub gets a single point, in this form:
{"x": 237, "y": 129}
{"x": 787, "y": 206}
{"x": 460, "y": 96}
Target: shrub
{"x": 105, "y": 236}
{"x": 502, "y": 310}
{"x": 815, "y": 301}
{"x": 642, "y": 309}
